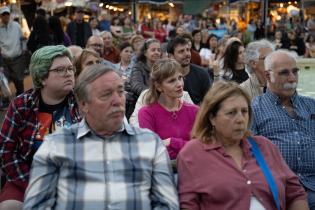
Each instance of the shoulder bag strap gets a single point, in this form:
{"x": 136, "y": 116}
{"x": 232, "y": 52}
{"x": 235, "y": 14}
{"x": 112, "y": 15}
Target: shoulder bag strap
{"x": 265, "y": 169}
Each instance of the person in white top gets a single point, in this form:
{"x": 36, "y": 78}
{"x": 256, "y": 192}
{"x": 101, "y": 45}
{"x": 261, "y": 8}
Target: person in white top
{"x": 11, "y": 49}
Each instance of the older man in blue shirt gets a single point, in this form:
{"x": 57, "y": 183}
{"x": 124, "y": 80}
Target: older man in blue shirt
{"x": 287, "y": 118}
{"x": 102, "y": 162}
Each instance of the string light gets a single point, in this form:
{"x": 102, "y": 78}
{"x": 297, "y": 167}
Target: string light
{"x": 110, "y": 7}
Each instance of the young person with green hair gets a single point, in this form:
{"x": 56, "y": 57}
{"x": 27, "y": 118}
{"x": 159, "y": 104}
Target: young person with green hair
{"x": 37, "y": 112}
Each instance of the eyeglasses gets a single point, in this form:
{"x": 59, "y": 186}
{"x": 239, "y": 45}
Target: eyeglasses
{"x": 286, "y": 72}
{"x": 62, "y": 71}
{"x": 97, "y": 45}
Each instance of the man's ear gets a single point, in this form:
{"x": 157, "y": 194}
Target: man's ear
{"x": 170, "y": 55}
{"x": 83, "y": 107}
{"x": 253, "y": 64}
{"x": 267, "y": 75}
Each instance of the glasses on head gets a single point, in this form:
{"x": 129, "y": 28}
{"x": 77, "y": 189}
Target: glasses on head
{"x": 286, "y": 72}
{"x": 62, "y": 71}
{"x": 148, "y": 42}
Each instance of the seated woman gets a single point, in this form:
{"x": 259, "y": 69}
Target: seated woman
{"x": 218, "y": 169}
{"x": 139, "y": 78}
{"x": 166, "y": 114}
{"x": 125, "y": 65}
{"x": 234, "y": 62}
{"x": 88, "y": 57}
{"x": 208, "y": 52}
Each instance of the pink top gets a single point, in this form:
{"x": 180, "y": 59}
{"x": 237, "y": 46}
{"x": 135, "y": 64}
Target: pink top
{"x": 175, "y": 125}
{"x": 210, "y": 179}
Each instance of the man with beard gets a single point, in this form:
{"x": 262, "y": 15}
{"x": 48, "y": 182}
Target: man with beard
{"x": 287, "y": 118}
{"x": 101, "y": 162}
{"x": 35, "y": 113}
{"x": 196, "y": 79}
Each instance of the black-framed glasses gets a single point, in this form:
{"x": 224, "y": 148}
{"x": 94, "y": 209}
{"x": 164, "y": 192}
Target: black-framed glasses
{"x": 62, "y": 70}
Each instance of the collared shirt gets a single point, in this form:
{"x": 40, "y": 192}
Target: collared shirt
{"x": 18, "y": 134}
{"x": 127, "y": 71}
{"x": 77, "y": 169}
{"x": 110, "y": 64}
{"x": 11, "y": 40}
{"x": 294, "y": 136}
{"x": 209, "y": 178}
{"x": 252, "y": 86}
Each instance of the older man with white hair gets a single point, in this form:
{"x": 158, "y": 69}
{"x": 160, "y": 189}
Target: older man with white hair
{"x": 111, "y": 53}
{"x": 287, "y": 118}
{"x": 255, "y": 55}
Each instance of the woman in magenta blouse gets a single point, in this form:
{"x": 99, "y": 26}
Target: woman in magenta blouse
{"x": 166, "y": 114}
{"x": 219, "y": 169}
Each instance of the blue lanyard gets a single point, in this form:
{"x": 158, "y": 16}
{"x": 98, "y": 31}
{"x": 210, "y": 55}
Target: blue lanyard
{"x": 265, "y": 169}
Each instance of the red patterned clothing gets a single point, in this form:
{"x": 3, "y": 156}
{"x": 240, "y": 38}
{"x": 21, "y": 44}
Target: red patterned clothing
{"x": 18, "y": 134}
{"x": 112, "y": 55}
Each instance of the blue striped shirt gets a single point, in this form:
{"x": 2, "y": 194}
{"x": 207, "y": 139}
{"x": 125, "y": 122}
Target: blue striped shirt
{"x": 294, "y": 136}
{"x": 75, "y": 169}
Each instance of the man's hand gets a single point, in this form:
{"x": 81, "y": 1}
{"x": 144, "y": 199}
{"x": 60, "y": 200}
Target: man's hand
{"x": 167, "y": 142}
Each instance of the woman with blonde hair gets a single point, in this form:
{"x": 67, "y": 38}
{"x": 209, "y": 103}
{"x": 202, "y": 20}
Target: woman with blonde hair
{"x": 166, "y": 113}
{"x": 224, "y": 167}
{"x": 88, "y": 57}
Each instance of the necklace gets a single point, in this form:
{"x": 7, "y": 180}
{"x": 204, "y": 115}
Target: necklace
{"x": 174, "y": 115}
{"x": 174, "y": 110}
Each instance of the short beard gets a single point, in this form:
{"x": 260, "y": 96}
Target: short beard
{"x": 185, "y": 65}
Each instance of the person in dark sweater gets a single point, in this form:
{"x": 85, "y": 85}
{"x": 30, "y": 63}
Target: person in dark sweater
{"x": 78, "y": 30}
{"x": 294, "y": 43}
{"x": 196, "y": 79}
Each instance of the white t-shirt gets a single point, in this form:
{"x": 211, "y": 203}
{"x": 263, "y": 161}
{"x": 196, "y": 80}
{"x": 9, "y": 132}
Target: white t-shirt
{"x": 206, "y": 54}
{"x": 255, "y": 204}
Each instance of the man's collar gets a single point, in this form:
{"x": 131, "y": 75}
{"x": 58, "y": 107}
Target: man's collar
{"x": 276, "y": 99}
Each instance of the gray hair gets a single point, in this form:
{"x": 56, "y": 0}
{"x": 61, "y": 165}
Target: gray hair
{"x": 252, "y": 51}
{"x": 89, "y": 75}
{"x": 106, "y": 32}
{"x": 272, "y": 58}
